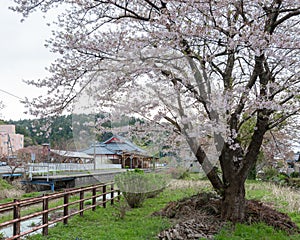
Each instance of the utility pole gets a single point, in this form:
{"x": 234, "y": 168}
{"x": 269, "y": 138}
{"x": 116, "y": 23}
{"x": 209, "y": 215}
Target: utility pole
{"x": 9, "y": 148}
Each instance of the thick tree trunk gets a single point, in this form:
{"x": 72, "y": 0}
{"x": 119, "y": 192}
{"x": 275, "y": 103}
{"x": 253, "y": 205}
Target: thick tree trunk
{"x": 234, "y": 202}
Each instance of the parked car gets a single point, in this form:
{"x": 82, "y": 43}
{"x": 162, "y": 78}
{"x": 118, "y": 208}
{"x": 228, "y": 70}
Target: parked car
{"x": 3, "y": 163}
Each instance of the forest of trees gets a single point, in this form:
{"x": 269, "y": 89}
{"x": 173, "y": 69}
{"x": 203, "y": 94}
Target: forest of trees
{"x": 35, "y": 133}
{"x": 59, "y": 133}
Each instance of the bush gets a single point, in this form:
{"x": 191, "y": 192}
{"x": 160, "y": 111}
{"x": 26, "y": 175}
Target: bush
{"x": 252, "y": 174}
{"x": 154, "y": 193}
{"x": 281, "y": 179}
{"x": 137, "y": 186}
{"x": 269, "y": 173}
{"x": 178, "y": 172}
{"x": 294, "y": 182}
{"x": 135, "y": 200}
{"x": 137, "y": 170}
{"x": 295, "y": 175}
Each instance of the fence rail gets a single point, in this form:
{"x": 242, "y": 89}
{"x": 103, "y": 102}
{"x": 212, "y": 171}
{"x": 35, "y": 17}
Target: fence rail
{"x": 63, "y": 204}
{"x": 52, "y": 168}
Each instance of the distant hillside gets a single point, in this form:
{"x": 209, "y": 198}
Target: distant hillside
{"x": 38, "y": 131}
{"x": 59, "y": 133}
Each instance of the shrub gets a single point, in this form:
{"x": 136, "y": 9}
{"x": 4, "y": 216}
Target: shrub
{"x": 252, "y": 174}
{"x": 269, "y": 173}
{"x": 294, "y": 182}
{"x": 154, "y": 193}
{"x": 178, "y": 172}
{"x": 135, "y": 200}
{"x": 137, "y": 186}
{"x": 185, "y": 175}
{"x": 295, "y": 175}
{"x": 137, "y": 170}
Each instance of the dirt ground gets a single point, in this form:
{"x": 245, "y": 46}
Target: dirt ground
{"x": 199, "y": 217}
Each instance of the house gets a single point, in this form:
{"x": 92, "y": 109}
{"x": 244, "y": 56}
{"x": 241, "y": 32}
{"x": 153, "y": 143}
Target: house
{"x": 10, "y": 142}
{"x": 104, "y": 158}
{"x": 32, "y": 154}
{"x": 119, "y": 152}
{"x": 43, "y": 154}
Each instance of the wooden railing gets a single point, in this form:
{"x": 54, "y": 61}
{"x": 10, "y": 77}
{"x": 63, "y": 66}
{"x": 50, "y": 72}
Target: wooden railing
{"x": 63, "y": 204}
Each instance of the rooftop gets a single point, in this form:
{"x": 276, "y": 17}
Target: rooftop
{"x": 71, "y": 154}
{"x": 114, "y": 145}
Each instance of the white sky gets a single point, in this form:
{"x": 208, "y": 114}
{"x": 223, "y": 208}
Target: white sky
{"x": 22, "y": 56}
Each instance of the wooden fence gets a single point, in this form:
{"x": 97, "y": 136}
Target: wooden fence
{"x": 62, "y": 206}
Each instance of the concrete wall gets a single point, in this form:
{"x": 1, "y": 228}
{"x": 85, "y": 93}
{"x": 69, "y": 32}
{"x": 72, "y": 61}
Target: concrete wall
{"x": 10, "y": 129}
{"x": 17, "y": 140}
{"x": 102, "y": 159}
{"x": 81, "y": 181}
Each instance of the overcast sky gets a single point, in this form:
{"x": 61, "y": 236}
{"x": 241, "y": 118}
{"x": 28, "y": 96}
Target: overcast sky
{"x": 22, "y": 56}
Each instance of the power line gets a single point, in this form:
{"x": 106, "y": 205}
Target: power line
{"x": 11, "y": 94}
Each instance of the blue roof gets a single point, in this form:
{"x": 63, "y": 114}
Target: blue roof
{"x": 112, "y": 146}
{"x": 98, "y": 149}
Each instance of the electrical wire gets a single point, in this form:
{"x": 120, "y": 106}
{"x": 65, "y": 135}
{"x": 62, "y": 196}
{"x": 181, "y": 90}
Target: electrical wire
{"x": 11, "y": 94}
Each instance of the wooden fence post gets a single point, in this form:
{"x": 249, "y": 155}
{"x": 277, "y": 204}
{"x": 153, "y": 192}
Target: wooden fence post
{"x": 94, "y": 199}
{"x": 17, "y": 214}
{"x": 81, "y": 203}
{"x": 112, "y": 194}
{"x": 104, "y": 196}
{"x": 45, "y": 215}
{"x": 16, "y": 207}
{"x": 66, "y": 207}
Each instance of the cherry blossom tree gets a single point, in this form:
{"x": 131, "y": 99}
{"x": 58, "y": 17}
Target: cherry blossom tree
{"x": 204, "y": 68}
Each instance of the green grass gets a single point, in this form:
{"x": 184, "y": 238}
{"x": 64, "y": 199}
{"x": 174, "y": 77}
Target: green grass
{"x": 5, "y": 185}
{"x": 138, "y": 224}
{"x": 295, "y": 217}
{"x": 255, "y": 231}
{"x": 92, "y": 226}
{"x": 6, "y": 200}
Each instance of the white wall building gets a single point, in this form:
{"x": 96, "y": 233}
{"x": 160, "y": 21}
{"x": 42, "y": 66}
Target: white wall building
{"x": 10, "y": 142}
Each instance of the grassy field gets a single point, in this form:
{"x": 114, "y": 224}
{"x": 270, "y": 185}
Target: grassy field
{"x": 111, "y": 223}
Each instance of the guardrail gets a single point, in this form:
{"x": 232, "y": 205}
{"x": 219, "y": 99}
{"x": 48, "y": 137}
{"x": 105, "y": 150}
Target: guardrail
{"x": 73, "y": 203}
{"x": 52, "y": 168}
